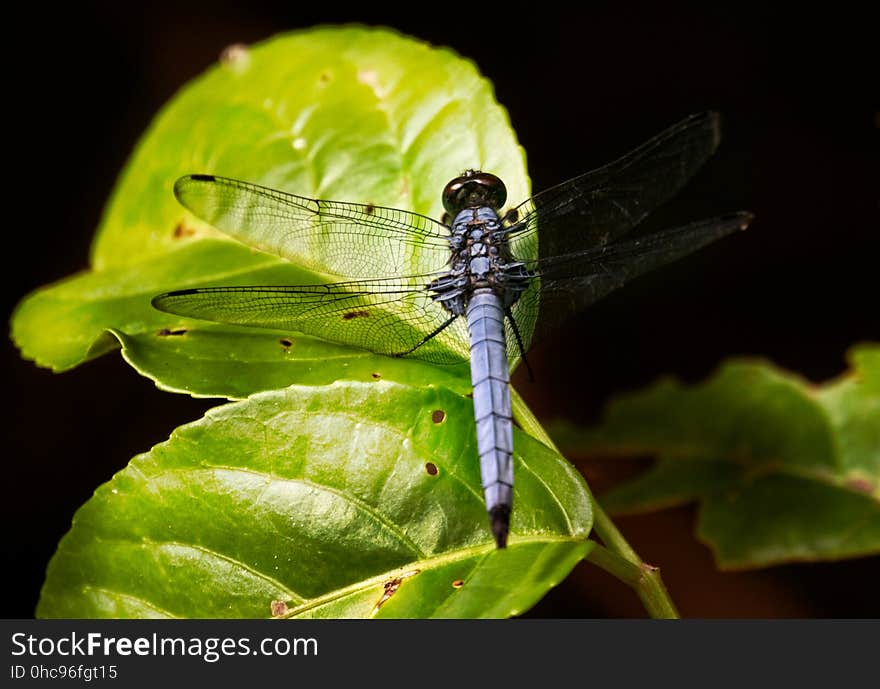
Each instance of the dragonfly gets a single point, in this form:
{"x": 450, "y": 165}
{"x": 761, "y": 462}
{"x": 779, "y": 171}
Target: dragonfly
{"x": 481, "y": 284}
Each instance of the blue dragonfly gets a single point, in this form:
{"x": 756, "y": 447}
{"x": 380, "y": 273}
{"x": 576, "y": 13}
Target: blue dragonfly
{"x": 480, "y": 284}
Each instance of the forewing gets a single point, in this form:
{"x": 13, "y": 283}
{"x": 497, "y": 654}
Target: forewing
{"x": 331, "y": 237}
{"x": 601, "y": 206}
{"x": 566, "y": 284}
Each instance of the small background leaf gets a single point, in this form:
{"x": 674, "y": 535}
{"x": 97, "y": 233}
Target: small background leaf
{"x": 784, "y": 470}
{"x": 320, "y": 497}
{"x": 343, "y": 113}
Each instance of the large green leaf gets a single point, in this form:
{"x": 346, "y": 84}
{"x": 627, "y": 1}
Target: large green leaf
{"x": 350, "y": 500}
{"x": 347, "y": 113}
{"x": 783, "y": 469}
{"x": 193, "y": 356}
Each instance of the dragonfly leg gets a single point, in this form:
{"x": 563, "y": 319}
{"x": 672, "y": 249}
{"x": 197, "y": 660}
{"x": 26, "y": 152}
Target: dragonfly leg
{"x": 519, "y": 343}
{"x": 427, "y": 337}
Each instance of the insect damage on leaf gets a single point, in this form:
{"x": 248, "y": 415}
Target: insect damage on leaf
{"x": 391, "y": 587}
{"x": 182, "y": 230}
{"x": 279, "y": 608}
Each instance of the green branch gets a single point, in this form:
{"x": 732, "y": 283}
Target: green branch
{"x": 616, "y": 556}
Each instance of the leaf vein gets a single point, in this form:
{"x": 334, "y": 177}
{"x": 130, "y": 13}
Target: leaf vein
{"x": 360, "y": 504}
{"x": 86, "y": 588}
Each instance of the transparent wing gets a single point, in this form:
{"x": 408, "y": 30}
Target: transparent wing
{"x": 601, "y": 206}
{"x": 346, "y": 239}
{"x": 566, "y": 284}
{"x": 385, "y": 316}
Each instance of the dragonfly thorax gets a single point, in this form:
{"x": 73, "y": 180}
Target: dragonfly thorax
{"x": 480, "y": 259}
{"x": 478, "y": 246}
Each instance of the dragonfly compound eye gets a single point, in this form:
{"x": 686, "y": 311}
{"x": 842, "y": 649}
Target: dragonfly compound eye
{"x": 473, "y": 190}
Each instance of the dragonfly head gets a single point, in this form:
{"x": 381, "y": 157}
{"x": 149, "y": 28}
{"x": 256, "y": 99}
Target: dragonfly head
{"x": 474, "y": 189}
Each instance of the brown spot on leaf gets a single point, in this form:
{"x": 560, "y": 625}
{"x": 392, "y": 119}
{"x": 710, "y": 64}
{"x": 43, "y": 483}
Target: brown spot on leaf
{"x": 438, "y": 416}
{"x": 279, "y": 608}
{"x": 391, "y": 587}
{"x": 432, "y": 469}
{"x": 457, "y": 584}
{"x": 234, "y": 54}
{"x": 183, "y": 230}
{"x": 284, "y": 342}
{"x": 376, "y": 376}
{"x": 861, "y": 485}
{"x": 167, "y": 332}
{"x": 348, "y": 315}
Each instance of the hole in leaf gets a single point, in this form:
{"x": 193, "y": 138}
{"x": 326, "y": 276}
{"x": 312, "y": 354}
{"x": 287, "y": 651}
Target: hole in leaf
{"x": 278, "y": 608}
{"x": 284, "y": 342}
{"x": 438, "y": 416}
{"x": 391, "y": 587}
{"x": 183, "y": 230}
{"x": 432, "y": 469}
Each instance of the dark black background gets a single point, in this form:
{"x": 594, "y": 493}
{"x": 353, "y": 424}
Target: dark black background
{"x": 799, "y": 96}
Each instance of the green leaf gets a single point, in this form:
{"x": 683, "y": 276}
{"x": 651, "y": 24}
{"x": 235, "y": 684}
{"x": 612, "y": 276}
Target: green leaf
{"x": 211, "y": 366}
{"x": 784, "y": 470}
{"x": 66, "y": 323}
{"x": 347, "y": 113}
{"x": 320, "y": 502}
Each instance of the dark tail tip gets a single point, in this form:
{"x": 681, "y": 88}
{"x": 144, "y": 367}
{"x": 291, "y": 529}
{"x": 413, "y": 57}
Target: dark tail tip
{"x": 499, "y": 516}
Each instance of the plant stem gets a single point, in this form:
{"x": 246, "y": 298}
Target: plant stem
{"x": 619, "y": 559}
{"x": 616, "y": 556}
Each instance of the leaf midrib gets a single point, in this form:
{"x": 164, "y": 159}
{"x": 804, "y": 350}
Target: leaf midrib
{"x": 421, "y": 565}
